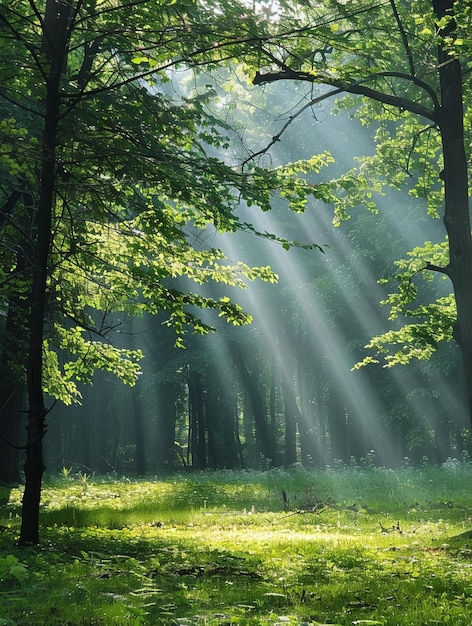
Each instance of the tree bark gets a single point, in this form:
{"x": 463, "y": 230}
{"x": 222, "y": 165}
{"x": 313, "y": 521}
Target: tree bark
{"x": 36, "y": 426}
{"x": 10, "y": 431}
{"x": 450, "y": 120}
{"x": 55, "y": 46}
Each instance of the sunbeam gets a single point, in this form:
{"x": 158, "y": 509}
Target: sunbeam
{"x": 355, "y": 407}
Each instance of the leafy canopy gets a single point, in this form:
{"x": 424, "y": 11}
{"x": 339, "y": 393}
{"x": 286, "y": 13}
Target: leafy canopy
{"x": 382, "y": 58}
{"x": 139, "y": 167}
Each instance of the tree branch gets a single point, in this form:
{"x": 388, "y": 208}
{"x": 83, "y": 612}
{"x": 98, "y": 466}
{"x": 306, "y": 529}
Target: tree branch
{"x": 405, "y": 41}
{"x": 436, "y": 268}
{"x": 289, "y": 74}
{"x": 358, "y": 87}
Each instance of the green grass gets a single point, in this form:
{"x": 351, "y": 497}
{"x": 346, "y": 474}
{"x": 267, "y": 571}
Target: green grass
{"x": 358, "y": 547}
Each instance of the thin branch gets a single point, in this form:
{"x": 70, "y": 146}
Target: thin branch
{"x": 19, "y": 37}
{"x": 404, "y": 37}
{"x": 413, "y": 146}
{"x": 89, "y": 329}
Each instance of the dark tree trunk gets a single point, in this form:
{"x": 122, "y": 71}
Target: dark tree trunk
{"x": 10, "y": 431}
{"x": 166, "y": 419}
{"x": 231, "y": 443}
{"x": 306, "y": 422}
{"x": 450, "y": 119}
{"x": 213, "y": 417}
{"x": 197, "y": 421}
{"x": 139, "y": 435}
{"x": 337, "y": 427}
{"x": 84, "y": 427}
{"x": 263, "y": 432}
{"x": 14, "y": 349}
{"x": 250, "y": 446}
{"x": 273, "y": 397}
{"x": 55, "y": 45}
{"x": 291, "y": 415}
{"x": 229, "y": 427}
{"x": 11, "y": 401}
{"x": 36, "y": 426}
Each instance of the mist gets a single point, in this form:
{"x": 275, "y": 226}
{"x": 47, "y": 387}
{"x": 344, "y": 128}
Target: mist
{"x": 283, "y": 390}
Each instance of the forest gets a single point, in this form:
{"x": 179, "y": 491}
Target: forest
{"x": 234, "y": 241}
{"x": 236, "y": 312}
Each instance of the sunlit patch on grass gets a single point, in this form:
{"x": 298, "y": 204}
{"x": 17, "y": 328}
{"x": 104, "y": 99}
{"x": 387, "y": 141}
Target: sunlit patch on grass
{"x": 368, "y": 546}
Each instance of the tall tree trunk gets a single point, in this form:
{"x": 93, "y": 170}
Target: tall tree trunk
{"x": 197, "y": 421}
{"x": 36, "y": 426}
{"x": 291, "y": 414}
{"x": 166, "y": 419}
{"x": 450, "y": 119}
{"x": 139, "y": 434}
{"x": 305, "y": 425}
{"x": 213, "y": 416}
{"x": 55, "y": 45}
{"x": 337, "y": 426}
{"x": 263, "y": 432}
{"x": 231, "y": 441}
{"x": 273, "y": 396}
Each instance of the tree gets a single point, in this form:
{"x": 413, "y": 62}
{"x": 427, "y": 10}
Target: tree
{"x": 105, "y": 166}
{"x": 411, "y": 83}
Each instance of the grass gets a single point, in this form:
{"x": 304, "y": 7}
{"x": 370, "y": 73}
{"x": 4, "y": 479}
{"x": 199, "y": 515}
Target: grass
{"x": 347, "y": 547}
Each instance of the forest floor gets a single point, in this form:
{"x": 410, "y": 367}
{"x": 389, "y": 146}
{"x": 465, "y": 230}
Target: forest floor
{"x": 358, "y": 546}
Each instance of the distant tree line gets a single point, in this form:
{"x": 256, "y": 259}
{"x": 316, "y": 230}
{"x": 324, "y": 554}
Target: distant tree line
{"x": 278, "y": 392}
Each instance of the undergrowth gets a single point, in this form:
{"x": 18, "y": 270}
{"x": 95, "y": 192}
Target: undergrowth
{"x": 364, "y": 546}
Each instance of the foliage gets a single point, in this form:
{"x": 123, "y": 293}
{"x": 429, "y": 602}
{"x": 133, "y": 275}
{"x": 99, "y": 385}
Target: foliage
{"x": 11, "y": 569}
{"x": 356, "y": 545}
{"x": 383, "y": 58}
{"x": 136, "y": 175}
{"x": 418, "y": 340}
